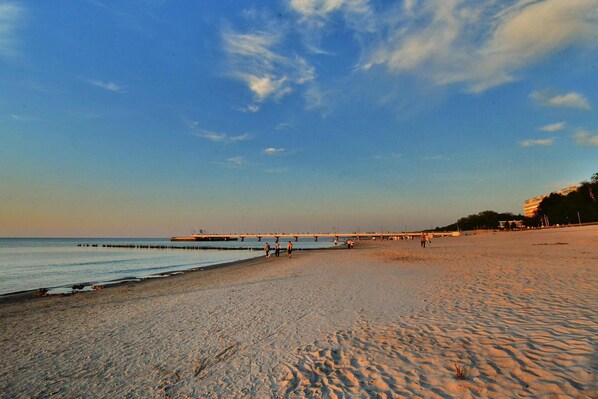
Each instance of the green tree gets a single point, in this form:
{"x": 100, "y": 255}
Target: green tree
{"x": 580, "y": 205}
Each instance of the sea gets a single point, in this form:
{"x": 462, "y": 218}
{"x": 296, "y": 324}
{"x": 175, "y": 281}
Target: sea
{"x": 57, "y": 264}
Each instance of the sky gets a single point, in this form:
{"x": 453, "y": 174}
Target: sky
{"x": 154, "y": 118}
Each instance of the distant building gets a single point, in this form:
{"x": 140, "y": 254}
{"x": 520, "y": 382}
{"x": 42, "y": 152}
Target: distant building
{"x": 531, "y": 205}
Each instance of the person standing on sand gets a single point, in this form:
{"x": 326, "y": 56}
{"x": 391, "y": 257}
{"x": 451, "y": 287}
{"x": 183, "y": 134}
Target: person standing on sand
{"x": 290, "y": 248}
{"x": 277, "y": 249}
{"x": 424, "y": 239}
{"x": 267, "y": 249}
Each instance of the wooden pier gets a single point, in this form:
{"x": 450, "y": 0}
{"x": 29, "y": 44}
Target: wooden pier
{"x": 296, "y": 236}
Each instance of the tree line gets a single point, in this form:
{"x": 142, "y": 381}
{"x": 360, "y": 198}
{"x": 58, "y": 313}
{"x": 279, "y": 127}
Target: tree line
{"x": 483, "y": 220}
{"x": 580, "y": 206}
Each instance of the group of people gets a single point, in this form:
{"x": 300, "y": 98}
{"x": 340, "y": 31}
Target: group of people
{"x": 426, "y": 239}
{"x": 277, "y": 249}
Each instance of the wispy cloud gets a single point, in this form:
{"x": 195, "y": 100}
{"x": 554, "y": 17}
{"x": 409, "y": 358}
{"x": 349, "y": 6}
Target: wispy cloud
{"x": 316, "y": 99}
{"x": 11, "y": 17}
{"x": 316, "y": 17}
{"x": 236, "y": 162}
{"x": 221, "y": 137}
{"x": 553, "y": 127}
{"x": 387, "y": 158}
{"x": 536, "y": 143}
{"x": 257, "y": 59}
{"x": 436, "y": 158}
{"x": 110, "y": 86}
{"x": 320, "y": 8}
{"x": 479, "y": 44}
{"x": 251, "y": 108}
{"x": 23, "y": 118}
{"x": 276, "y": 170}
{"x": 129, "y": 17}
{"x": 586, "y": 139}
{"x": 273, "y": 151}
{"x": 190, "y": 123}
{"x": 568, "y": 100}
{"x": 284, "y": 126}
{"x": 316, "y": 14}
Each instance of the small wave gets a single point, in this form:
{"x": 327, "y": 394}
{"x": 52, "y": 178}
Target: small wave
{"x": 148, "y": 269}
{"x": 91, "y": 263}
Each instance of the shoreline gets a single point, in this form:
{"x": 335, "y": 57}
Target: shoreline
{"x": 32, "y": 294}
{"x": 88, "y": 287}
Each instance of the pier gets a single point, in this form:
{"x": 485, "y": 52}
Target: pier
{"x": 315, "y": 236}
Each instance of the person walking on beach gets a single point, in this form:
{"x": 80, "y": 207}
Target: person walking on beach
{"x": 277, "y": 249}
{"x": 424, "y": 239}
{"x": 290, "y": 248}
{"x": 267, "y": 249}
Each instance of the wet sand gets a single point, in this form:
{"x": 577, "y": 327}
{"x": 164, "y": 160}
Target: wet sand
{"x": 517, "y": 312}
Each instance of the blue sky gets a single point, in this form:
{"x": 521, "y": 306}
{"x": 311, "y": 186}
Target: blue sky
{"x": 156, "y": 117}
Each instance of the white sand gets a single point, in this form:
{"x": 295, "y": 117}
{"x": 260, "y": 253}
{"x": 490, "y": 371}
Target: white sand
{"x": 517, "y": 310}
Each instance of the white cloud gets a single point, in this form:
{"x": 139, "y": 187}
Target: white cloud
{"x": 265, "y": 86}
{"x": 256, "y": 47}
{"x": 273, "y": 151}
{"x": 212, "y": 136}
{"x": 320, "y": 8}
{"x": 257, "y": 59}
{"x": 283, "y": 126}
{"x": 535, "y": 143}
{"x": 110, "y": 86}
{"x": 276, "y": 170}
{"x": 11, "y": 16}
{"x": 554, "y": 127}
{"x": 436, "y": 158}
{"x": 568, "y": 100}
{"x": 530, "y": 31}
{"x": 251, "y": 108}
{"x": 23, "y": 118}
{"x": 586, "y": 139}
{"x": 479, "y": 44}
{"x": 315, "y": 49}
{"x": 236, "y": 162}
{"x": 316, "y": 99}
{"x": 242, "y": 137}
{"x": 221, "y": 137}
{"x": 388, "y": 158}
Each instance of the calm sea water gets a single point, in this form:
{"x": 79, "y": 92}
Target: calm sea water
{"x": 31, "y": 263}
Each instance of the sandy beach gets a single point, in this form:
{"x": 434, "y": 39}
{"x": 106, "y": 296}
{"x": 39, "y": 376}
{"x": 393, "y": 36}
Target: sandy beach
{"x": 515, "y": 311}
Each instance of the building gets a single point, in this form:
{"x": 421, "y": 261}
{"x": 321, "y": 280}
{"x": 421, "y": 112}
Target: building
{"x": 531, "y": 205}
